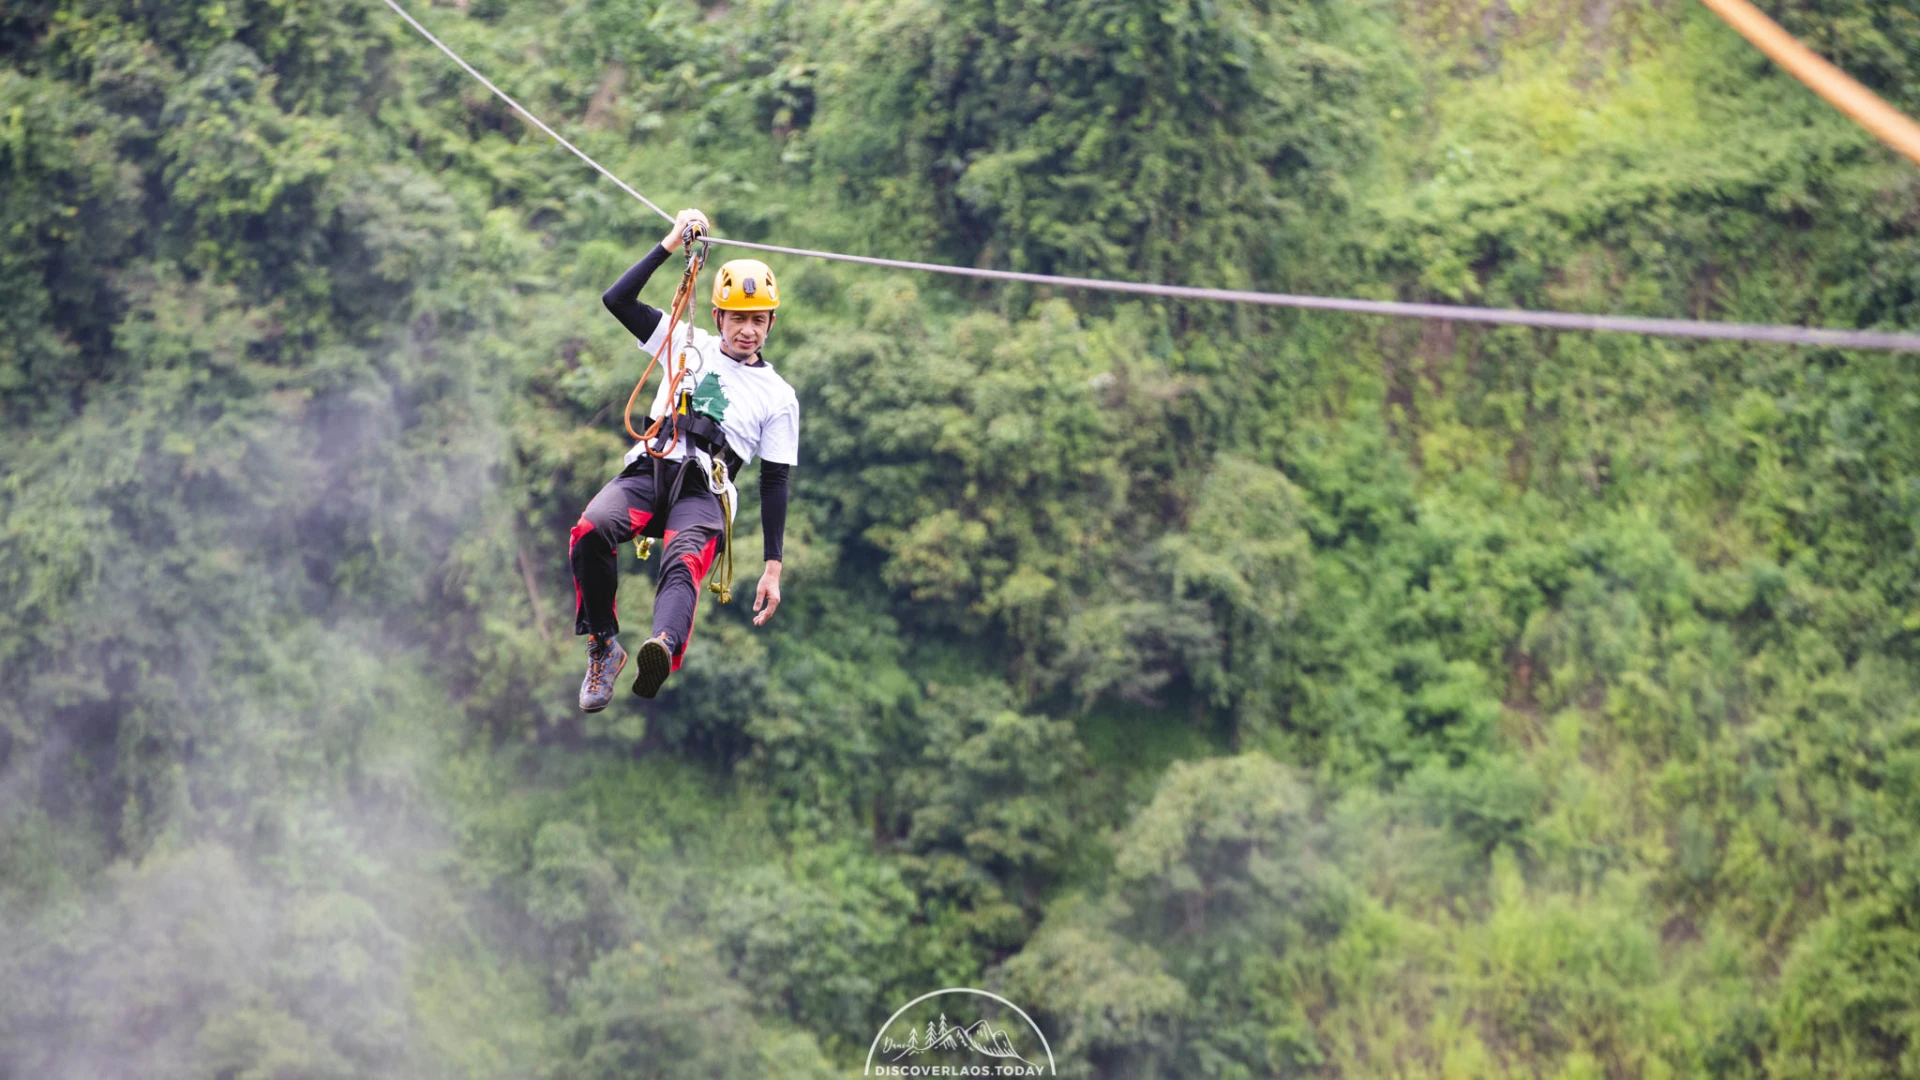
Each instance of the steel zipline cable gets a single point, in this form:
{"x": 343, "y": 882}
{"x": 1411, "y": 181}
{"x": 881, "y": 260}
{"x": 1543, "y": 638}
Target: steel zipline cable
{"x": 521, "y": 109}
{"x": 1552, "y": 320}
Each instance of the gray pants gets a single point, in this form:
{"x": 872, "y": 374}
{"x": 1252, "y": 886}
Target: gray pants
{"x": 691, "y": 532}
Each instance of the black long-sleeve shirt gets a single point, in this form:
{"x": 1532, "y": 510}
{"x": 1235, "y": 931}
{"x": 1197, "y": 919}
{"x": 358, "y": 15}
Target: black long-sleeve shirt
{"x": 641, "y": 320}
{"x": 774, "y": 482}
{"x": 623, "y": 298}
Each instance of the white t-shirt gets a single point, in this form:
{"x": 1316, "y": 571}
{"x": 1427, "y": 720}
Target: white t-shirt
{"x": 754, "y": 406}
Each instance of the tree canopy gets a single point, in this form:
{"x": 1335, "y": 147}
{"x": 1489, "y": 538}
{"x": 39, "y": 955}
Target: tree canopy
{"x": 1242, "y": 693}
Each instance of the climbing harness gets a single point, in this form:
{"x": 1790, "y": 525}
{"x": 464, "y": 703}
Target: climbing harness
{"x": 1552, "y": 320}
{"x": 721, "y": 584}
{"x": 705, "y": 435}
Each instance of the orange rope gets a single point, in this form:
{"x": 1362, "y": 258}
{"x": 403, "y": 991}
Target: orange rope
{"x": 682, "y": 300}
{"x": 1841, "y": 91}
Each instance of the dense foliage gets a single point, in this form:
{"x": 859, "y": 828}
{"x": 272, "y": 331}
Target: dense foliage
{"x": 1248, "y": 694}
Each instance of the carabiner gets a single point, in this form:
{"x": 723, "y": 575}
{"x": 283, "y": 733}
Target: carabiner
{"x": 690, "y": 236}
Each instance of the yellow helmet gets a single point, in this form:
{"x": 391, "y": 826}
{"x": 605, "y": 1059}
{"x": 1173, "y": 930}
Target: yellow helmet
{"x": 745, "y": 285}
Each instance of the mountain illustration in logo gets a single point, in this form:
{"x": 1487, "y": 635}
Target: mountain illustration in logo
{"x": 981, "y": 1038}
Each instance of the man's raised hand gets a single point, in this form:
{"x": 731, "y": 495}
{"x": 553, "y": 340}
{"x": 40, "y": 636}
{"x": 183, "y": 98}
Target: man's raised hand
{"x": 687, "y": 217}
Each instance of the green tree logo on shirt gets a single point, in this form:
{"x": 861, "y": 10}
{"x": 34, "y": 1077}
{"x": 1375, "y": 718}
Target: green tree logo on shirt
{"x": 710, "y": 398}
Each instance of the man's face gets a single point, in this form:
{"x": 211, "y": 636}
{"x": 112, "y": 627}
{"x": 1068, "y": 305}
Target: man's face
{"x": 743, "y": 332}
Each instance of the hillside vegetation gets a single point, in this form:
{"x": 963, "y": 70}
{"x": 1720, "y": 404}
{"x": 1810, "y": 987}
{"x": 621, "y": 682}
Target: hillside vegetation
{"x": 1247, "y": 693}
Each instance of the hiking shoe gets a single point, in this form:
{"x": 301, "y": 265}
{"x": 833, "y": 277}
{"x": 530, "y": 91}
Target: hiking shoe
{"x": 605, "y": 658}
{"x": 651, "y": 665}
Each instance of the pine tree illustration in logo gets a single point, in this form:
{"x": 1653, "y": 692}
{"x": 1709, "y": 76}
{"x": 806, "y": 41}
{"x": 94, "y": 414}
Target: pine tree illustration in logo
{"x": 981, "y": 1038}
{"x": 710, "y": 398}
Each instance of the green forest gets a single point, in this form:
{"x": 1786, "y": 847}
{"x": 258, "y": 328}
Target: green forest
{"x": 1243, "y": 692}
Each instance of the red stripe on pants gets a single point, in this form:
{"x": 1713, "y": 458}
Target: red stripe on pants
{"x": 580, "y": 529}
{"x": 698, "y": 565}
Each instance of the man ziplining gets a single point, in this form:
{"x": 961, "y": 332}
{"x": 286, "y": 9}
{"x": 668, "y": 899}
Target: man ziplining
{"x": 725, "y": 408}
